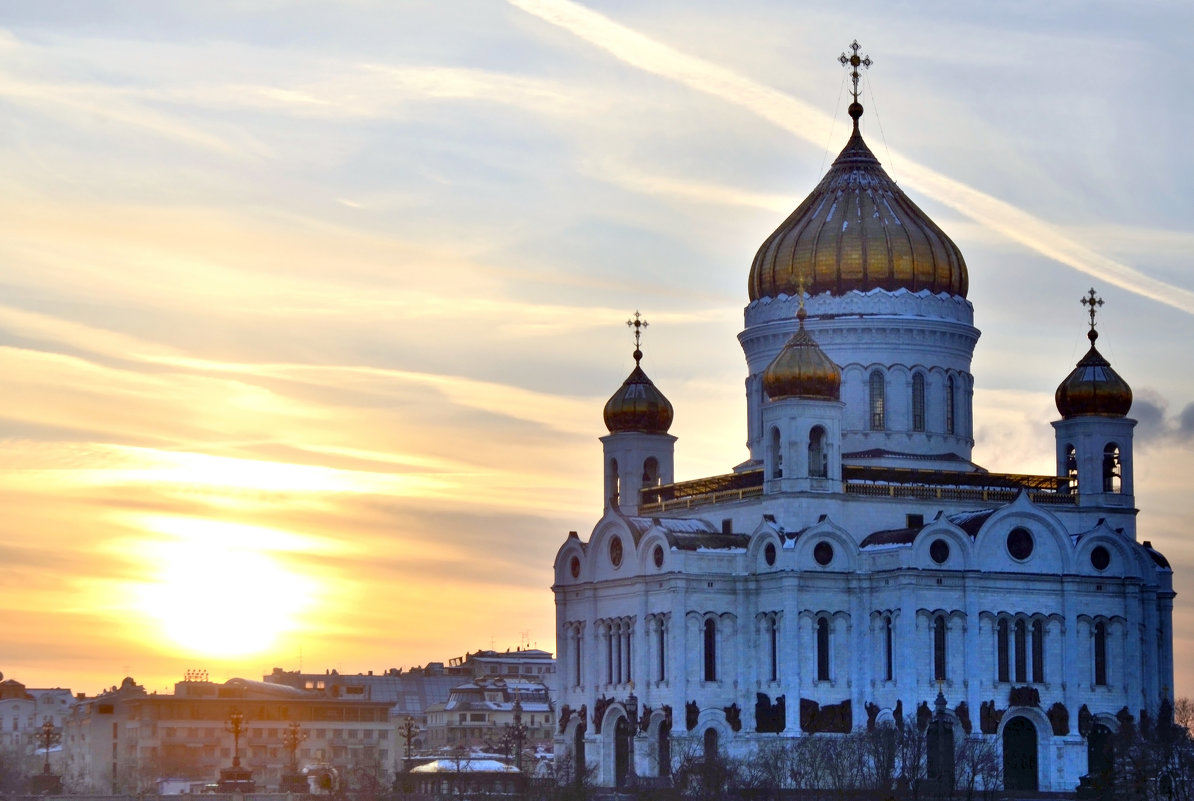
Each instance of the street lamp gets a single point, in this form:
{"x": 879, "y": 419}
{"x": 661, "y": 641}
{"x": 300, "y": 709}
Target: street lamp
{"x": 408, "y": 732}
{"x": 518, "y": 732}
{"x": 49, "y": 736}
{"x": 235, "y": 725}
{"x": 291, "y": 737}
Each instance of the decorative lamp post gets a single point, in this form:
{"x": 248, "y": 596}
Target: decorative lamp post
{"x": 236, "y": 779}
{"x": 292, "y": 736}
{"x": 518, "y": 733}
{"x": 48, "y": 736}
{"x": 408, "y": 732}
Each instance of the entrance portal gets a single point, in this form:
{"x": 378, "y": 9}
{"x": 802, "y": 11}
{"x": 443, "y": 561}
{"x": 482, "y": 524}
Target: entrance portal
{"x": 1019, "y": 755}
{"x": 621, "y": 752}
{"x": 1100, "y": 755}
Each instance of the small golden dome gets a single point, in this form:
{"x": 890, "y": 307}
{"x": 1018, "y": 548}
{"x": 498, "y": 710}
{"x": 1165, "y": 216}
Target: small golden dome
{"x": 638, "y": 405}
{"x": 802, "y": 370}
{"x": 857, "y": 230}
{"x": 1093, "y": 388}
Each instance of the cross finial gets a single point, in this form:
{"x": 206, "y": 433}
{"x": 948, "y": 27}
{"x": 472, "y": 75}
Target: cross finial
{"x": 854, "y": 61}
{"x": 800, "y": 312}
{"x": 638, "y": 324}
{"x": 1092, "y": 301}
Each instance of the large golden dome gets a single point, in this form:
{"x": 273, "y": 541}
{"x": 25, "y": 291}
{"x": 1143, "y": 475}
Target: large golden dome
{"x": 638, "y": 405}
{"x": 802, "y": 370}
{"x": 1093, "y": 388}
{"x": 857, "y": 230}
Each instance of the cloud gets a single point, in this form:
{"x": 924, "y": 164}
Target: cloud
{"x": 798, "y": 117}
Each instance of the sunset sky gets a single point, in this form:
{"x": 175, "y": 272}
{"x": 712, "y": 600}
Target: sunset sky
{"x": 308, "y": 310}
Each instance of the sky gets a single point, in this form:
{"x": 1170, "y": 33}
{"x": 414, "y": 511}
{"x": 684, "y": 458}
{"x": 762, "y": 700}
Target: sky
{"x": 308, "y": 310}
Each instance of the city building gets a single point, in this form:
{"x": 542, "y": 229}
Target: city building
{"x": 23, "y": 714}
{"x": 481, "y": 714}
{"x": 125, "y": 740}
{"x": 858, "y": 562}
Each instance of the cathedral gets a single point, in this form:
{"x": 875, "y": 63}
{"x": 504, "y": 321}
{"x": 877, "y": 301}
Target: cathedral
{"x": 858, "y": 566}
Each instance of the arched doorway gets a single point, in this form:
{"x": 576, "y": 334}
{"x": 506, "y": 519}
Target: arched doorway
{"x": 665, "y": 749}
{"x": 579, "y": 769}
{"x": 1100, "y": 755}
{"x": 1019, "y": 755}
{"x": 621, "y": 751}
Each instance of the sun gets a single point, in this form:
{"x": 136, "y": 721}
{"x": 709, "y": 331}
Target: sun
{"x": 224, "y": 589}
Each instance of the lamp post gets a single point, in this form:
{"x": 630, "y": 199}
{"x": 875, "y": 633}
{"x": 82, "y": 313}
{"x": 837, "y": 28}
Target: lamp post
{"x": 235, "y": 725}
{"x": 518, "y": 733}
{"x": 408, "y": 732}
{"x": 292, "y": 735}
{"x": 49, "y": 736}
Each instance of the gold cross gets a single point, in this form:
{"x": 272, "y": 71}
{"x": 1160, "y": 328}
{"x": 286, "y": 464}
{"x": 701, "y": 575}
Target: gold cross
{"x": 854, "y": 61}
{"x": 1093, "y": 301}
{"x": 638, "y": 324}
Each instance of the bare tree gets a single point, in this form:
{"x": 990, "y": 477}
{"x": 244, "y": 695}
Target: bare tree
{"x": 978, "y": 768}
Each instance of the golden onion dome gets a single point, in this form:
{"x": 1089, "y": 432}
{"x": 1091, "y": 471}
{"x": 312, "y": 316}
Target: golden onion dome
{"x": 638, "y": 405}
{"x": 1093, "y": 388}
{"x": 802, "y": 370}
{"x": 857, "y": 230}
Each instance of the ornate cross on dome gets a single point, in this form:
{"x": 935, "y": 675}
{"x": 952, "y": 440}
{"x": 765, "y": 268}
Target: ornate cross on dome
{"x": 854, "y": 61}
{"x": 638, "y": 324}
{"x": 1093, "y": 301}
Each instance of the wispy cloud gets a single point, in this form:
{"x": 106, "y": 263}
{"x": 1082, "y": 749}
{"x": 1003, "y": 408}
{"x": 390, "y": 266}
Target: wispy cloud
{"x": 799, "y": 118}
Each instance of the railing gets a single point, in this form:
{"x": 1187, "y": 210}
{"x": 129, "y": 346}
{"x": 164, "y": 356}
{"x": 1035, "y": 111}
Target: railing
{"x": 700, "y": 500}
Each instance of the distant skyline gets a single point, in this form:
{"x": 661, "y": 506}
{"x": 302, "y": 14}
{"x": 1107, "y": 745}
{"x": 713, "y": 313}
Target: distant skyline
{"x": 308, "y": 310}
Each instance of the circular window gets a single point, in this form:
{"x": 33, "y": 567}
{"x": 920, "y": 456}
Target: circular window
{"x": 574, "y": 566}
{"x": 769, "y": 553}
{"x": 1100, "y": 557}
{"x": 615, "y": 551}
{"x": 939, "y": 551}
{"x": 823, "y": 553}
{"x": 1019, "y": 543}
{"x": 657, "y": 555}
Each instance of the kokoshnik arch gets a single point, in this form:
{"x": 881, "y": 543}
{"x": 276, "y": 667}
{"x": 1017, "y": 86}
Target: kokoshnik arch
{"x": 858, "y": 563}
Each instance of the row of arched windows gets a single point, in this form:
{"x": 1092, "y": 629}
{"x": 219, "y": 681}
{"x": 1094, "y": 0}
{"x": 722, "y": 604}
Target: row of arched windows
{"x": 818, "y": 454}
{"x": 877, "y": 402}
{"x": 1112, "y": 472}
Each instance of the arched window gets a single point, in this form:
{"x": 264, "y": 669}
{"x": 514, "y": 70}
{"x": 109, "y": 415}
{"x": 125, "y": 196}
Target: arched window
{"x": 1111, "y": 468}
{"x": 1100, "y": 654}
{"x": 918, "y": 402}
{"x": 878, "y": 402}
{"x": 818, "y": 455}
{"x": 1038, "y": 652}
{"x": 1002, "y": 648}
{"x": 773, "y": 640}
{"x": 1071, "y": 467}
{"x": 651, "y": 472}
{"x": 939, "y": 648}
{"x": 950, "y": 393}
{"x": 614, "y": 481}
{"x": 710, "y": 754}
{"x": 1021, "y": 651}
{"x": 578, "y": 654}
{"x": 889, "y": 650}
{"x": 776, "y": 455}
{"x": 710, "y": 649}
{"x": 661, "y": 648}
{"x": 822, "y": 649}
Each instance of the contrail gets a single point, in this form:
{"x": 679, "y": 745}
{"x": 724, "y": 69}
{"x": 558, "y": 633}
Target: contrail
{"x": 808, "y": 123}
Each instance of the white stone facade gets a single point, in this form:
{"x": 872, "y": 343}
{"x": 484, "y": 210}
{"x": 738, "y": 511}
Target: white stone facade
{"x": 862, "y": 573}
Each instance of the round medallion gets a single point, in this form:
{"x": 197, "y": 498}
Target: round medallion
{"x": 1100, "y": 557}
{"x": 823, "y": 553}
{"x": 574, "y": 566}
{"x": 769, "y": 554}
{"x": 1019, "y": 544}
{"x": 657, "y": 555}
{"x": 615, "y": 551}
{"x": 939, "y": 551}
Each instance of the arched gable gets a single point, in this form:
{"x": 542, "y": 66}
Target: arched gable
{"x": 1050, "y": 551}
{"x": 961, "y": 547}
{"x": 845, "y": 557}
{"x": 1124, "y": 559}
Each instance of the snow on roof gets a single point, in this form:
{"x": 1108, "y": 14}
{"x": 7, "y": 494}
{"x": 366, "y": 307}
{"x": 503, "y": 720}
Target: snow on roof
{"x": 465, "y": 765}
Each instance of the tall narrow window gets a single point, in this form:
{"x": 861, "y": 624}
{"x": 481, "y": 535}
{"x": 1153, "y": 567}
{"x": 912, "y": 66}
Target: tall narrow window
{"x": 661, "y": 647}
{"x": 578, "y": 655}
{"x": 818, "y": 458}
{"x": 651, "y": 472}
{"x": 878, "y": 402}
{"x": 710, "y": 649}
{"x": 889, "y": 650}
{"x": 822, "y": 649}
{"x": 615, "y": 481}
{"x": 773, "y": 636}
{"x": 1001, "y": 647}
{"x": 1071, "y": 467}
{"x": 1111, "y": 471}
{"x": 1100, "y": 654}
{"x": 618, "y": 661}
{"x": 1038, "y": 652}
{"x": 776, "y": 454}
{"x": 607, "y": 637}
{"x": 1021, "y": 651}
{"x": 918, "y": 402}
{"x": 950, "y": 393}
{"x": 939, "y": 648}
